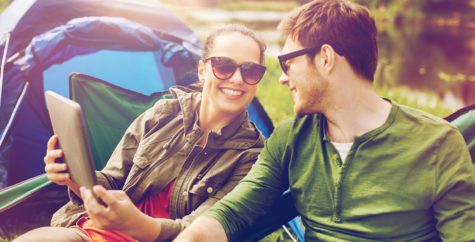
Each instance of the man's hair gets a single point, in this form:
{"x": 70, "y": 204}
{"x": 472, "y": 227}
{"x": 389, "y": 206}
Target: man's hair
{"x": 348, "y": 27}
{"x": 233, "y": 28}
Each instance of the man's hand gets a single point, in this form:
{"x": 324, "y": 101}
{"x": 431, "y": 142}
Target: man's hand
{"x": 119, "y": 214}
{"x": 57, "y": 172}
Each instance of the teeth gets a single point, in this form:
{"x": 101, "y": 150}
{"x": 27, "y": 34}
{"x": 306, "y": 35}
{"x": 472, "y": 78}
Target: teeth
{"x": 232, "y": 92}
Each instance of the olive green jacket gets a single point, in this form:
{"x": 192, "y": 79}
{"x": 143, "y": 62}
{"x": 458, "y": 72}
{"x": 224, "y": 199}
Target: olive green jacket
{"x": 160, "y": 146}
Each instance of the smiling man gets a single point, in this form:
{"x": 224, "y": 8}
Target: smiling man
{"x": 359, "y": 167}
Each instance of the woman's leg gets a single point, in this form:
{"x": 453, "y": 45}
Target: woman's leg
{"x": 53, "y": 234}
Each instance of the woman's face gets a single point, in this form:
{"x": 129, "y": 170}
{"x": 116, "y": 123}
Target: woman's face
{"x": 229, "y": 96}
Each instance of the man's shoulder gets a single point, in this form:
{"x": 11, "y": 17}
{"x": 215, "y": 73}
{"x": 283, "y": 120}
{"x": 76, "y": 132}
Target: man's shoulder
{"x": 416, "y": 121}
{"x": 418, "y": 116}
{"x": 299, "y": 123}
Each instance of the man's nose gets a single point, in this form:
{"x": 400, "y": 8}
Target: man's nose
{"x": 284, "y": 80}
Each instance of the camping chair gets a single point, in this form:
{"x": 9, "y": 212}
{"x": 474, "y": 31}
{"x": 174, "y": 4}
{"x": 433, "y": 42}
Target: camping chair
{"x": 284, "y": 210}
{"x": 108, "y": 111}
{"x": 464, "y": 120}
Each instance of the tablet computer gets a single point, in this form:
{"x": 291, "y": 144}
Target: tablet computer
{"x": 68, "y": 124}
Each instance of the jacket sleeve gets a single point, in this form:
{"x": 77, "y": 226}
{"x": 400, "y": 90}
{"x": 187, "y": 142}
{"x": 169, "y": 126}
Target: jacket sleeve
{"x": 454, "y": 207}
{"x": 257, "y": 192}
{"x": 171, "y": 228}
{"x": 115, "y": 172}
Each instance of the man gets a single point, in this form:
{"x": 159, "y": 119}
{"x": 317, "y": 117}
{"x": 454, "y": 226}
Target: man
{"x": 359, "y": 167}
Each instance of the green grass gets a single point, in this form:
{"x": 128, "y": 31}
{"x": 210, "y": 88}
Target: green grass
{"x": 272, "y": 6}
{"x": 276, "y": 98}
{"x": 4, "y": 4}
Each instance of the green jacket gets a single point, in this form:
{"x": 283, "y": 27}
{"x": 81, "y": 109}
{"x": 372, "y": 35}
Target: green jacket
{"x": 410, "y": 179}
{"x": 160, "y": 146}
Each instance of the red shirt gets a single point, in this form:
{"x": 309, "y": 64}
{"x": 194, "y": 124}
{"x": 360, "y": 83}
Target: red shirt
{"x": 155, "y": 206}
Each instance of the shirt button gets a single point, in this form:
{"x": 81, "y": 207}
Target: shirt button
{"x": 209, "y": 190}
{"x": 185, "y": 193}
{"x": 206, "y": 153}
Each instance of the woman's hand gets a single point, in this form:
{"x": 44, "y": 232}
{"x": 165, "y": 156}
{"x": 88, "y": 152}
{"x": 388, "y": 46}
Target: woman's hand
{"x": 58, "y": 172}
{"x": 119, "y": 214}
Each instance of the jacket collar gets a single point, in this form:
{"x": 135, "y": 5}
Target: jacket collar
{"x": 239, "y": 134}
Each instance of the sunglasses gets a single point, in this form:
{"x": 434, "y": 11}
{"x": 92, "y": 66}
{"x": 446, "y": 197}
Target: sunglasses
{"x": 284, "y": 58}
{"x": 224, "y": 68}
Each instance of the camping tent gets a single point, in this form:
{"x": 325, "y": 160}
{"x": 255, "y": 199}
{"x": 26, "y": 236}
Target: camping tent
{"x": 97, "y": 45}
{"x": 137, "y": 46}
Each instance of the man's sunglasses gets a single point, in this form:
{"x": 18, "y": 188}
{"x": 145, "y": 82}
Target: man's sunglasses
{"x": 224, "y": 68}
{"x": 284, "y": 58}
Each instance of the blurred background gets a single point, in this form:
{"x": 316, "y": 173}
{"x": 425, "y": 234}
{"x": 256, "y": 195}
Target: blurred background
{"x": 426, "y": 47}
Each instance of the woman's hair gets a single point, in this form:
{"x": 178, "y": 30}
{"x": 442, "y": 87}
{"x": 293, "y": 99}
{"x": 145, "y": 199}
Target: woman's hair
{"x": 226, "y": 29}
{"x": 233, "y": 28}
{"x": 347, "y": 27}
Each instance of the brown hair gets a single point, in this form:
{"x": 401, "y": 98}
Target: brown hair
{"x": 348, "y": 27}
{"x": 230, "y": 28}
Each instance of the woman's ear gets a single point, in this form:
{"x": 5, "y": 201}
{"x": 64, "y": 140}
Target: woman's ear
{"x": 201, "y": 71}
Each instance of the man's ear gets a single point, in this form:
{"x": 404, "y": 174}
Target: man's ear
{"x": 201, "y": 71}
{"x": 327, "y": 58}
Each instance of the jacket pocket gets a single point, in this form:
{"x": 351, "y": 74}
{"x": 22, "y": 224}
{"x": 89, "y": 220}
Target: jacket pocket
{"x": 151, "y": 150}
{"x": 205, "y": 188}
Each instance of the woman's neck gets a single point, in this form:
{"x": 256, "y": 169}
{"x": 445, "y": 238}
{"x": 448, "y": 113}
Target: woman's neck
{"x": 211, "y": 120}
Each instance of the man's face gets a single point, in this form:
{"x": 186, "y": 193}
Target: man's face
{"x": 304, "y": 80}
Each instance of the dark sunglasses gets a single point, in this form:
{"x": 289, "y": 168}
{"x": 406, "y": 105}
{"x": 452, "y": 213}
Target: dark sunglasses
{"x": 284, "y": 58}
{"x": 224, "y": 68}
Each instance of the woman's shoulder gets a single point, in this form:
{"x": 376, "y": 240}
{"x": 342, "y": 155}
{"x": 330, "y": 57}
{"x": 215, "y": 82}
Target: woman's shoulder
{"x": 180, "y": 99}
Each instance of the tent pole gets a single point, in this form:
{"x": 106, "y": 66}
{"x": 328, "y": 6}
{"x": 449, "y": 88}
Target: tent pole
{"x": 3, "y": 66}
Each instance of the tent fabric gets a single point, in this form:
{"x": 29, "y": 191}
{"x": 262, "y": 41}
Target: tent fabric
{"x": 25, "y": 19}
{"x": 78, "y": 37}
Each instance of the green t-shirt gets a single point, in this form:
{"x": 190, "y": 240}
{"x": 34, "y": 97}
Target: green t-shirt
{"x": 410, "y": 179}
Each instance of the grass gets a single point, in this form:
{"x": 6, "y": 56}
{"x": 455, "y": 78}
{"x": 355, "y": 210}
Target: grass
{"x": 276, "y": 98}
{"x": 273, "y": 6}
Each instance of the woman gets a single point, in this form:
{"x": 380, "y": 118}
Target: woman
{"x": 176, "y": 159}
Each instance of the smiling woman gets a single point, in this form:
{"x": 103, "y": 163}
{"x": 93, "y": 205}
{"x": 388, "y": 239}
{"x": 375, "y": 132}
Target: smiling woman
{"x": 228, "y": 95}
{"x": 176, "y": 159}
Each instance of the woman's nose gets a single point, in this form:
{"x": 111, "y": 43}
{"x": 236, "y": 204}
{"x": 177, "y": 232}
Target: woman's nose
{"x": 237, "y": 76}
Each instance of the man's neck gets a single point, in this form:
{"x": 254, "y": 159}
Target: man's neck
{"x": 355, "y": 114}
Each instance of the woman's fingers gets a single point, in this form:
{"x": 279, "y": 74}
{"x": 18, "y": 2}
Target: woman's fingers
{"x": 55, "y": 167}
{"x": 59, "y": 178}
{"x": 52, "y": 142}
{"x": 52, "y": 155}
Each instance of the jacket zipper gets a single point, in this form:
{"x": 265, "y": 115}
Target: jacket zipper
{"x": 179, "y": 191}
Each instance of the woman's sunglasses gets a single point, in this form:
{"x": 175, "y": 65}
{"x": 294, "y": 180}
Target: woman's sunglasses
{"x": 224, "y": 68}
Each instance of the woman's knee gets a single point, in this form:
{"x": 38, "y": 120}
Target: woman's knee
{"x": 53, "y": 234}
